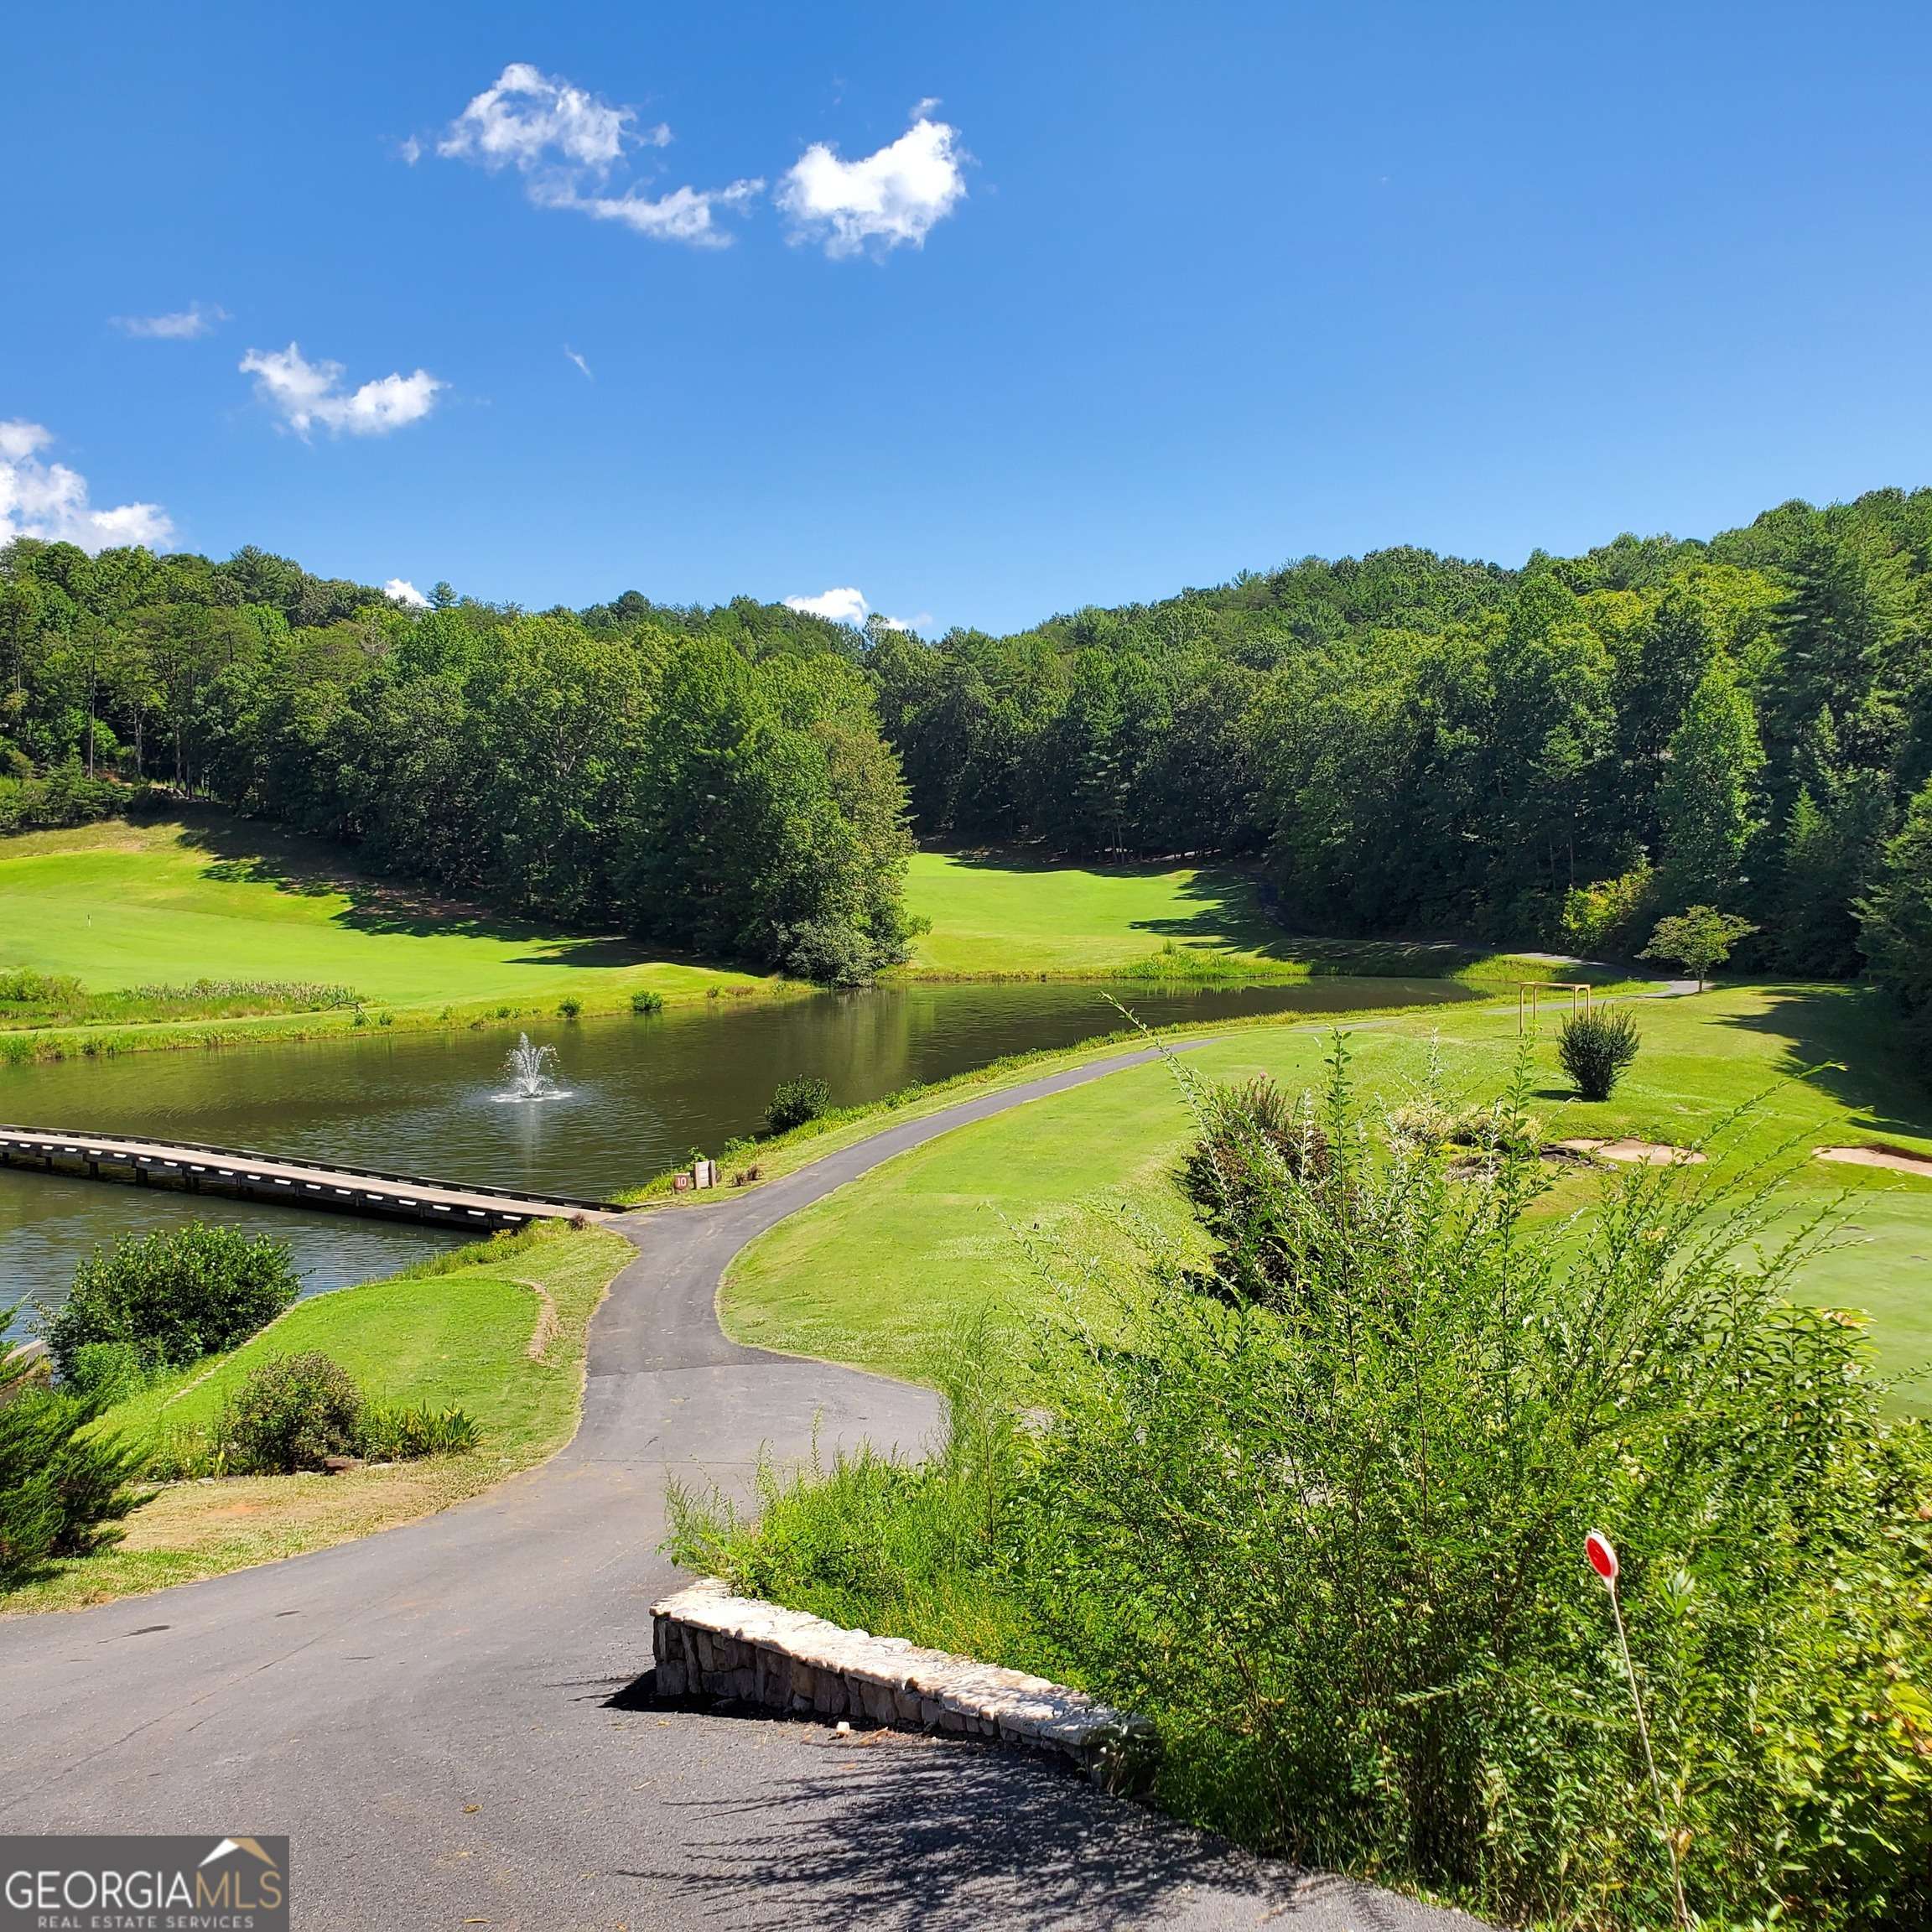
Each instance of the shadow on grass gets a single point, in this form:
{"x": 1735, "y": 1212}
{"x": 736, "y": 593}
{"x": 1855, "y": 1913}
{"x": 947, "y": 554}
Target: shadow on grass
{"x": 886, "y": 1830}
{"x": 1233, "y": 914}
{"x": 243, "y": 851}
{"x": 1844, "y": 1041}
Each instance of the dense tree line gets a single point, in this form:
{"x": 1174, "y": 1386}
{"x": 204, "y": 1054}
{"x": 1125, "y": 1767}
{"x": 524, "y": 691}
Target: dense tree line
{"x": 712, "y": 781}
{"x": 1409, "y": 743}
{"x": 1405, "y": 742}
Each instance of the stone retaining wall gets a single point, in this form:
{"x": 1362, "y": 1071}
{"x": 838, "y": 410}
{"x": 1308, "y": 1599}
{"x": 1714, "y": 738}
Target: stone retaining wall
{"x": 709, "y": 1642}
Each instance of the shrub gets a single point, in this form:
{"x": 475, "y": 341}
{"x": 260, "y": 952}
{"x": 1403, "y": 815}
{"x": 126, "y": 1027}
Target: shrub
{"x": 1595, "y": 1048}
{"x": 289, "y": 1414}
{"x": 399, "y": 1435}
{"x": 64, "y": 1490}
{"x": 644, "y": 1000}
{"x": 831, "y": 952}
{"x": 1605, "y": 917}
{"x": 173, "y": 1295}
{"x": 570, "y": 1007}
{"x": 796, "y": 1102}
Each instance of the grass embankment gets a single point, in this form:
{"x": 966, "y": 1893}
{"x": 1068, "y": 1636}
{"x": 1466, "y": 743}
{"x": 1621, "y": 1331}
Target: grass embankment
{"x": 1001, "y": 917}
{"x": 873, "y": 1274}
{"x": 458, "y": 1332}
{"x": 120, "y": 906}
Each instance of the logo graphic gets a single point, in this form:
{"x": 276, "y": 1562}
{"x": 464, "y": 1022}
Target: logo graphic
{"x": 144, "y": 1884}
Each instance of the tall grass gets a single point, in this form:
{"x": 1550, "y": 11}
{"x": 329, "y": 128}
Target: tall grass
{"x": 1319, "y": 1512}
{"x": 28, "y": 998}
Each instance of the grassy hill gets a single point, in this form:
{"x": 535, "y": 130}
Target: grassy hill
{"x": 122, "y": 905}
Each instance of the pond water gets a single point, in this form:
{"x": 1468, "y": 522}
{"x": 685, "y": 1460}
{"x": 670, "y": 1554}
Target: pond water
{"x": 636, "y": 1095}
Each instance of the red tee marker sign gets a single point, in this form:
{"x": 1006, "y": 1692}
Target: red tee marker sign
{"x": 1602, "y": 1557}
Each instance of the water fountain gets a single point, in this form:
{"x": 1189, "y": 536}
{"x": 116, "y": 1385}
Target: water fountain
{"x": 531, "y": 1071}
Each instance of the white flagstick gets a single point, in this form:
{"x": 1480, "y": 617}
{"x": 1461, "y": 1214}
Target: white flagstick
{"x": 1603, "y": 1556}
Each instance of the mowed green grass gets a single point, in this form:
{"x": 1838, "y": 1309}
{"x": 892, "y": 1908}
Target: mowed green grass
{"x": 992, "y": 915}
{"x": 1011, "y": 1210}
{"x": 123, "y": 905}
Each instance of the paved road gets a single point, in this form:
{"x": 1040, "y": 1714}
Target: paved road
{"x": 436, "y": 1715}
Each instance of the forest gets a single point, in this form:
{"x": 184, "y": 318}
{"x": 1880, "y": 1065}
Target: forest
{"x": 1403, "y": 743}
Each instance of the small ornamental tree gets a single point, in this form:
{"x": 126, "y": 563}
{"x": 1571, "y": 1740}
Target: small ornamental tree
{"x": 1699, "y": 940}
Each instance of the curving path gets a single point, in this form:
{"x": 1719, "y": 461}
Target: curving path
{"x": 436, "y": 1714}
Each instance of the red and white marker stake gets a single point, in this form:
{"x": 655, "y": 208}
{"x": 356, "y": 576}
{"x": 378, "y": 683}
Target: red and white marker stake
{"x": 1602, "y": 1554}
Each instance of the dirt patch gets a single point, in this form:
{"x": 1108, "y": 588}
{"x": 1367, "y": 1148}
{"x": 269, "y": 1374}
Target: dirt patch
{"x": 1898, "y": 1159}
{"x": 1634, "y": 1153}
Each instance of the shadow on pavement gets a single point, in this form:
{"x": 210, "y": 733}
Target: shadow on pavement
{"x": 888, "y": 1830}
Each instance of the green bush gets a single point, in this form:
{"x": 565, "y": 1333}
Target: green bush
{"x": 399, "y": 1435}
{"x": 831, "y": 952}
{"x": 569, "y": 1007}
{"x": 289, "y": 1414}
{"x": 1595, "y": 1048}
{"x": 1331, "y": 1541}
{"x": 644, "y": 1000}
{"x": 173, "y": 1295}
{"x": 64, "y": 1490}
{"x": 796, "y": 1102}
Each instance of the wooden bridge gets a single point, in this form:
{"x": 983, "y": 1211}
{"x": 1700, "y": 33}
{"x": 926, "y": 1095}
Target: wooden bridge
{"x": 315, "y": 1184}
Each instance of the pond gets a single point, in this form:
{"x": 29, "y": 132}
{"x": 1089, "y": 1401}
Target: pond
{"x": 637, "y": 1096}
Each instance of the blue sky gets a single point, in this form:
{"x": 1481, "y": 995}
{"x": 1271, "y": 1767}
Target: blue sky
{"x": 1068, "y": 305}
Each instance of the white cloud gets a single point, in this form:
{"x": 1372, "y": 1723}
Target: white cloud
{"x": 887, "y": 199}
{"x": 183, "y": 325}
{"x": 923, "y": 621}
{"x": 401, "y": 590}
{"x": 49, "y": 501}
{"x": 846, "y": 605}
{"x": 573, "y": 356}
{"x": 411, "y": 150}
{"x": 527, "y": 120}
{"x": 306, "y": 393}
{"x": 565, "y": 140}
{"x": 684, "y": 215}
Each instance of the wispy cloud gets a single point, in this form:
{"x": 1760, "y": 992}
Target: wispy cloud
{"x": 182, "y": 325}
{"x": 573, "y": 354}
{"x": 401, "y": 590}
{"x": 49, "y": 501}
{"x": 883, "y": 201}
{"x": 307, "y": 394}
{"x": 565, "y": 140}
{"x": 684, "y": 215}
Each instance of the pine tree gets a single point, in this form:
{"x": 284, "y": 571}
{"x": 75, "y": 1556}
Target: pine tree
{"x": 1707, "y": 801}
{"x": 1895, "y": 920}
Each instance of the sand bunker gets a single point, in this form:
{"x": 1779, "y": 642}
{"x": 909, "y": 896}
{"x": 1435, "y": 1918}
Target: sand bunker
{"x": 1896, "y": 1158}
{"x": 1648, "y": 1153}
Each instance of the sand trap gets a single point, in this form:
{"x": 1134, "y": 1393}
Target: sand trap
{"x": 1895, "y": 1158}
{"x": 1648, "y": 1153}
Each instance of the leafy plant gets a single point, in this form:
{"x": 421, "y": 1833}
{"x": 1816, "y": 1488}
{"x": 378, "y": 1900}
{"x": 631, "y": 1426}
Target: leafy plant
{"x": 645, "y": 1001}
{"x": 1595, "y": 1047}
{"x": 173, "y": 1295}
{"x": 400, "y": 1433}
{"x": 1699, "y": 940}
{"x": 570, "y": 1007}
{"x": 796, "y": 1102}
{"x": 290, "y": 1414}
